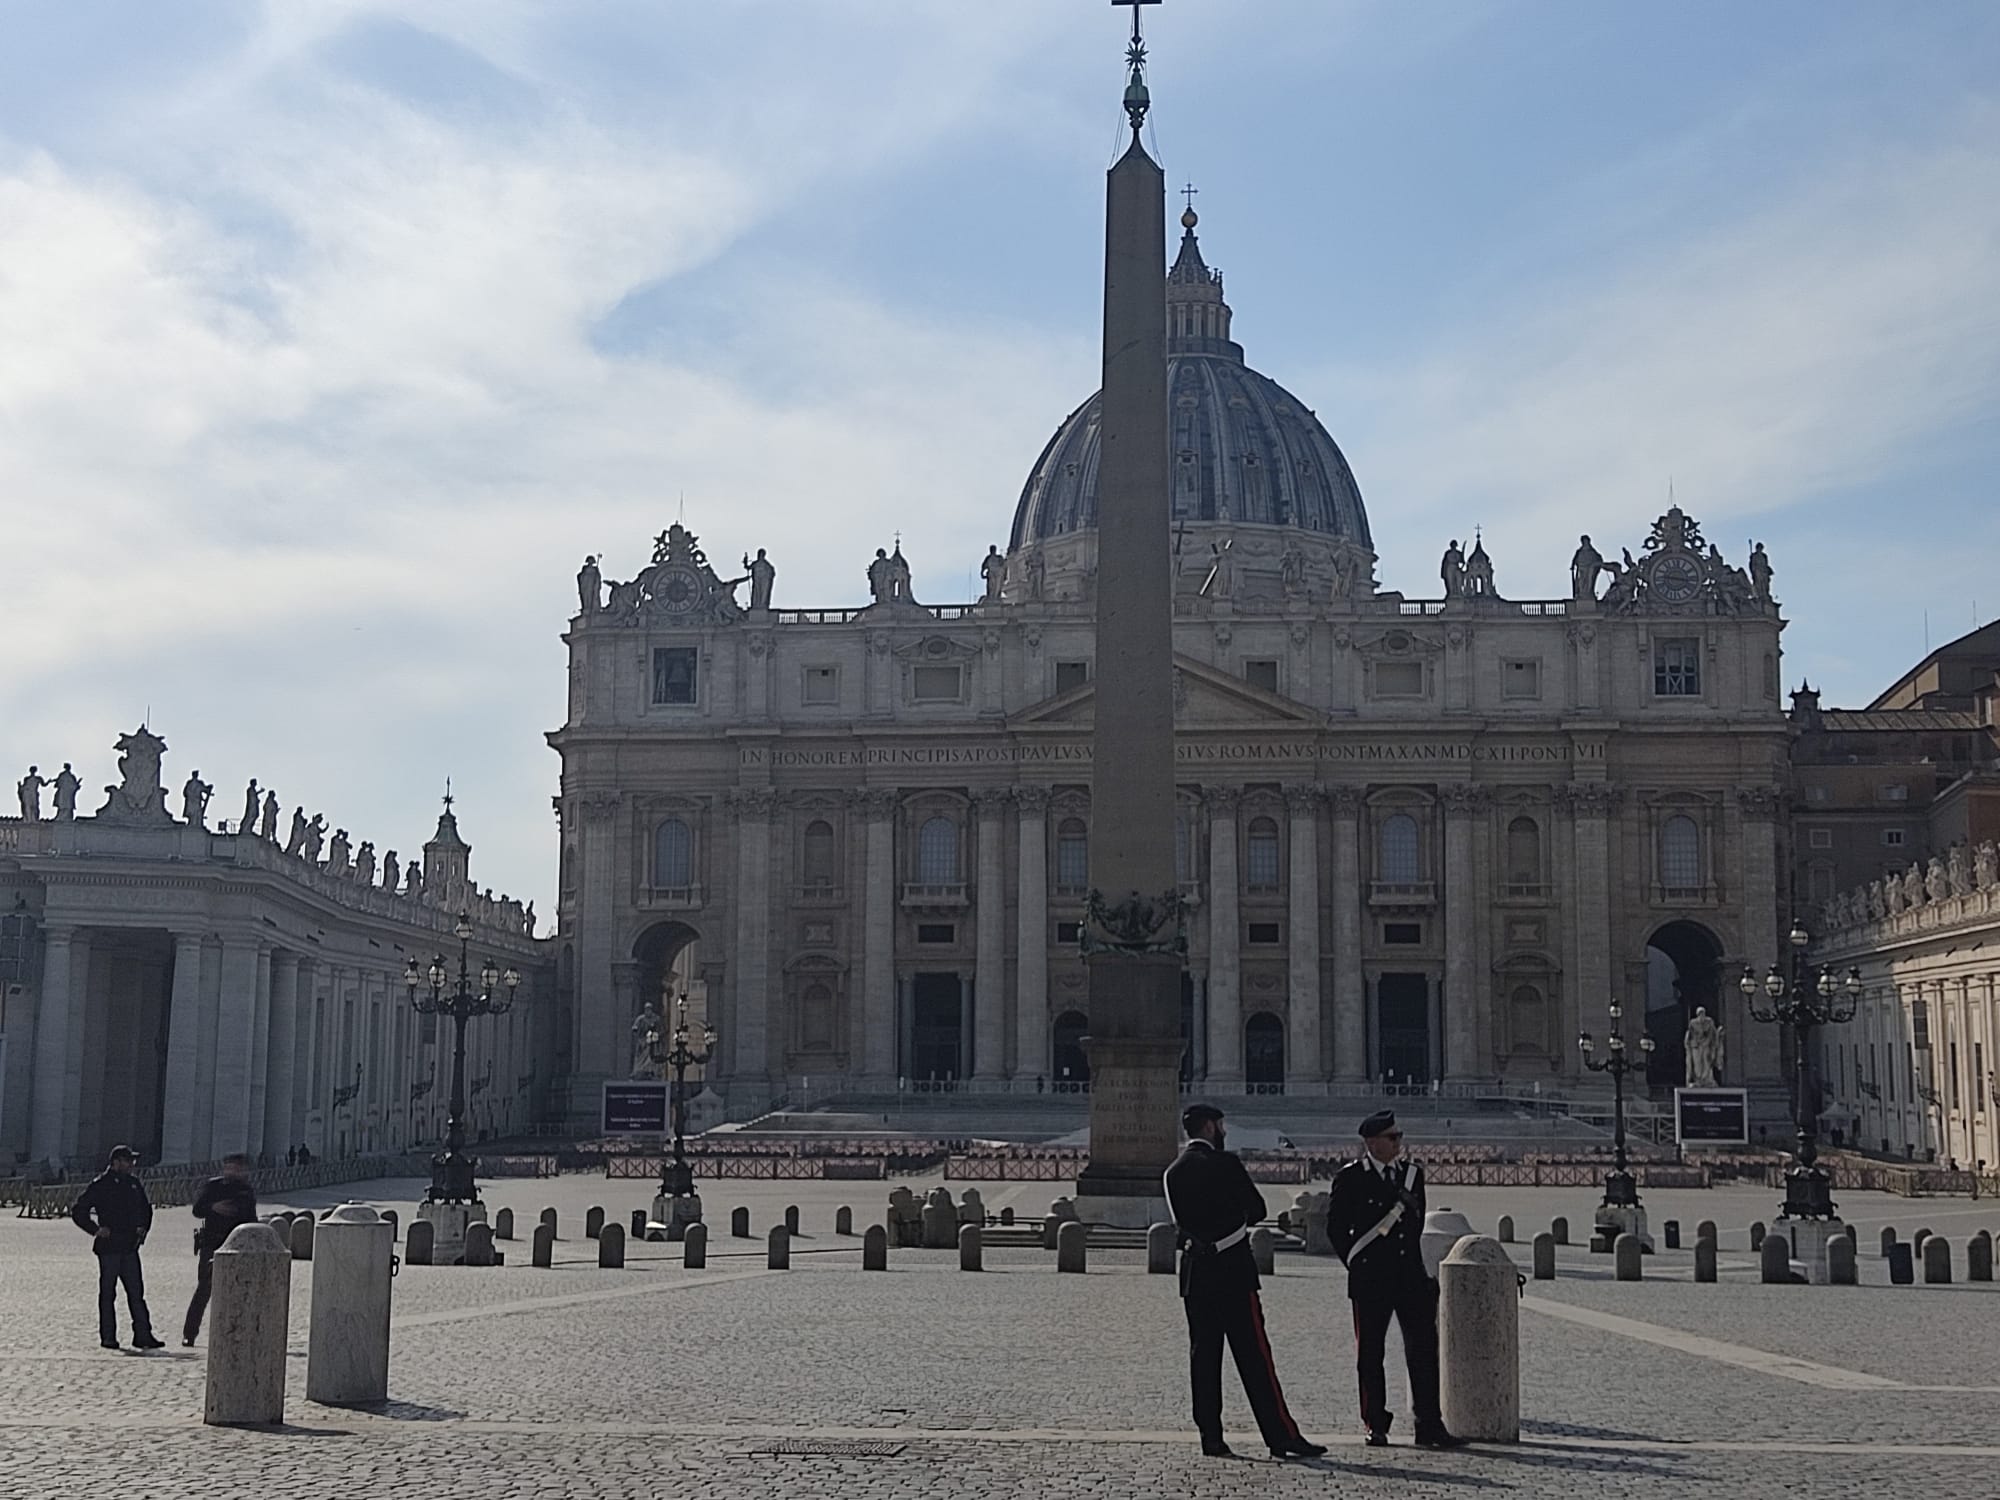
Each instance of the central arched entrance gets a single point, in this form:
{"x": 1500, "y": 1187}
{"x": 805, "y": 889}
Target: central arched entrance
{"x": 1683, "y": 972}
{"x": 666, "y": 961}
{"x": 1072, "y": 1062}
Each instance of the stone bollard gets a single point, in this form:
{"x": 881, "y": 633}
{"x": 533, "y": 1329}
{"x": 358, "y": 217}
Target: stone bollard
{"x": 395, "y": 1223}
{"x": 1979, "y": 1257}
{"x": 1902, "y": 1266}
{"x": 503, "y": 1224}
{"x": 1840, "y": 1261}
{"x": 1443, "y": 1228}
{"x": 1673, "y": 1233}
{"x": 593, "y": 1222}
{"x": 971, "y": 1207}
{"x": 969, "y": 1257}
{"x": 1479, "y": 1341}
{"x": 739, "y": 1223}
{"x": 875, "y": 1249}
{"x": 1051, "y": 1227}
{"x": 252, "y": 1292}
{"x": 940, "y": 1226}
{"x": 1937, "y": 1260}
{"x": 302, "y": 1237}
{"x": 792, "y": 1219}
{"x": 1007, "y": 1217}
{"x": 423, "y": 1237}
{"x": 1626, "y": 1253}
{"x": 1559, "y": 1230}
{"x": 778, "y": 1254}
{"x": 545, "y": 1245}
{"x": 1160, "y": 1250}
{"x": 677, "y": 1229}
{"x": 610, "y": 1248}
{"x": 1705, "y": 1230}
{"x": 694, "y": 1247}
{"x": 1505, "y": 1232}
{"x": 637, "y": 1233}
{"x": 478, "y": 1244}
{"x": 1072, "y": 1242}
{"x": 1263, "y": 1251}
{"x": 1064, "y": 1209}
{"x": 1756, "y": 1234}
{"x": 1853, "y": 1235}
{"x": 843, "y": 1220}
{"x": 549, "y": 1218}
{"x": 1775, "y": 1267}
{"x": 1917, "y": 1243}
{"x": 1888, "y": 1239}
{"x": 347, "y": 1345}
{"x": 1545, "y": 1256}
{"x": 1704, "y": 1259}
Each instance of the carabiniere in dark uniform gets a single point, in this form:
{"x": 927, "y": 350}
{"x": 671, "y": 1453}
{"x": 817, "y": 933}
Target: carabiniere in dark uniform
{"x": 1376, "y": 1223}
{"x": 1214, "y": 1205}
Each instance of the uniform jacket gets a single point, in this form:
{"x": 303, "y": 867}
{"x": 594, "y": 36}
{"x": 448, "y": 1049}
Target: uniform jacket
{"x": 222, "y": 1204}
{"x": 115, "y": 1201}
{"x": 1361, "y": 1197}
{"x": 1211, "y": 1196}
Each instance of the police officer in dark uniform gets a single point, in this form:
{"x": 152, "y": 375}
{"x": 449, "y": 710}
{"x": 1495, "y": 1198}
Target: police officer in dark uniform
{"x": 223, "y": 1203}
{"x": 1214, "y": 1204}
{"x": 115, "y": 1212}
{"x": 1376, "y": 1223}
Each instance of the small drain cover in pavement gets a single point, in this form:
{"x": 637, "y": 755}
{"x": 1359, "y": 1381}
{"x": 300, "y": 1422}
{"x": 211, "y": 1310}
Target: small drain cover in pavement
{"x": 830, "y": 1448}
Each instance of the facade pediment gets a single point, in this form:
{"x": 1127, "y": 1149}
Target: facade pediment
{"x": 1202, "y": 695}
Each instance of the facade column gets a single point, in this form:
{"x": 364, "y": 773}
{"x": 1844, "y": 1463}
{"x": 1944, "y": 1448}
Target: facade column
{"x": 305, "y": 1047}
{"x": 183, "y": 1045}
{"x": 878, "y": 940}
{"x": 1462, "y": 988}
{"x": 260, "y": 1056}
{"x": 750, "y": 1026}
{"x": 989, "y": 981}
{"x": 1760, "y": 893}
{"x": 1303, "y": 1001}
{"x": 1350, "y": 996}
{"x": 1225, "y": 996}
{"x": 599, "y": 1034}
{"x": 1590, "y": 804}
{"x": 1031, "y": 936}
{"x": 210, "y": 1004}
{"x": 53, "y": 1020}
{"x": 235, "y": 1036}
{"x": 279, "y": 1080}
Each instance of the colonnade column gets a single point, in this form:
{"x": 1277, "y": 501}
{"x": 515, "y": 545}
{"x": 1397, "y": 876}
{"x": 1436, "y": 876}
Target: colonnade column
{"x": 52, "y": 1025}
{"x": 1303, "y": 1001}
{"x": 1225, "y": 996}
{"x": 1350, "y": 998}
{"x": 878, "y": 939}
{"x": 1031, "y": 937}
{"x": 260, "y": 1055}
{"x": 305, "y": 1048}
{"x": 1590, "y": 804}
{"x": 750, "y": 1025}
{"x": 279, "y": 1080}
{"x": 183, "y": 1047}
{"x": 989, "y": 979}
{"x": 1461, "y": 899}
{"x": 235, "y": 1033}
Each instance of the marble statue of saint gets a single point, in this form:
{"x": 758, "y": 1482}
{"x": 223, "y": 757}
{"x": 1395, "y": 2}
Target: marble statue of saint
{"x": 413, "y": 881}
{"x": 590, "y": 586}
{"x": 295, "y": 841}
{"x": 528, "y": 921}
{"x": 267, "y": 824}
{"x": 1955, "y": 873}
{"x": 339, "y": 853}
{"x": 252, "y": 800}
{"x": 645, "y": 1037}
{"x": 993, "y": 570}
{"x": 392, "y": 873}
{"x": 194, "y": 800}
{"x": 1584, "y": 565}
{"x": 1936, "y": 886}
{"x": 315, "y": 837}
{"x": 762, "y": 575}
{"x": 1760, "y": 573}
{"x": 1292, "y": 571}
{"x": 364, "y": 863}
{"x": 66, "y": 786}
{"x": 1913, "y": 885}
{"x": 30, "y": 789}
{"x": 1703, "y": 1044}
{"x": 1985, "y": 865}
{"x": 1451, "y": 568}
{"x": 1479, "y": 571}
{"x": 1038, "y": 572}
{"x": 881, "y": 585}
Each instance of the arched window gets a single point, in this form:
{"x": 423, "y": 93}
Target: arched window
{"x": 673, "y": 855}
{"x": 1263, "y": 863}
{"x": 937, "y": 852}
{"x": 1397, "y": 861}
{"x": 1072, "y": 856}
{"x": 1524, "y": 852}
{"x": 818, "y": 854}
{"x": 1680, "y": 854}
{"x": 816, "y": 1018}
{"x": 1264, "y": 1051}
{"x": 1071, "y": 1063}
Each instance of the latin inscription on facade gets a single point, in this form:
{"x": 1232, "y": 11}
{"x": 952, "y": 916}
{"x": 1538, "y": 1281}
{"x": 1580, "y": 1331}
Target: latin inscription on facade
{"x": 1187, "y": 753}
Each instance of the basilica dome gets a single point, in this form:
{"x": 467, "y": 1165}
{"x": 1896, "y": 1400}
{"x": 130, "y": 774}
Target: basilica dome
{"x": 1245, "y": 450}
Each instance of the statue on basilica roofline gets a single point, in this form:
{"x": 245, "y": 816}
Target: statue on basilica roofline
{"x": 1451, "y": 570}
{"x": 993, "y": 573}
{"x": 1760, "y": 573}
{"x": 590, "y": 586}
{"x": 1584, "y": 566}
{"x": 759, "y": 573}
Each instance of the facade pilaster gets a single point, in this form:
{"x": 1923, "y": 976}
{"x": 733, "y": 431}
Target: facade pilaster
{"x": 53, "y": 1018}
{"x": 1303, "y": 1003}
{"x": 1350, "y": 998}
{"x": 599, "y": 1029}
{"x": 1225, "y": 993}
{"x": 1757, "y": 900}
{"x": 280, "y": 1080}
{"x": 989, "y": 982}
{"x": 260, "y": 1054}
{"x": 305, "y": 1048}
{"x": 1031, "y": 936}
{"x": 877, "y": 1007}
{"x": 1591, "y": 804}
{"x": 751, "y": 1023}
{"x": 1462, "y": 989}
{"x": 183, "y": 1044}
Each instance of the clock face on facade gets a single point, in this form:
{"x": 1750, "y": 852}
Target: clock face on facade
{"x": 677, "y": 590}
{"x": 1676, "y": 578}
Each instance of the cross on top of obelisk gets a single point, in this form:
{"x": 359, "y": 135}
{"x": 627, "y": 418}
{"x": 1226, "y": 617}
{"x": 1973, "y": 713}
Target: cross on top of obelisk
{"x": 1137, "y": 100}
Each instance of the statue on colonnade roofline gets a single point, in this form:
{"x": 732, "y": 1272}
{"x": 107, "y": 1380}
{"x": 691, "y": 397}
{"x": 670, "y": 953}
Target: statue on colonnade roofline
{"x": 66, "y": 786}
{"x": 338, "y": 852}
{"x": 295, "y": 842}
{"x": 247, "y": 825}
{"x": 392, "y": 872}
{"x": 315, "y": 837}
{"x": 138, "y": 797}
{"x": 1985, "y": 866}
{"x": 30, "y": 789}
{"x": 364, "y": 863}
{"x": 267, "y": 825}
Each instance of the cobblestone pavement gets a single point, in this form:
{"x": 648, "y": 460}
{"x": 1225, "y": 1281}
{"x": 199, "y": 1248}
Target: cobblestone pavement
{"x": 656, "y": 1380}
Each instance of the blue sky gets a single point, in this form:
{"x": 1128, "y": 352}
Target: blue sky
{"x": 332, "y": 334}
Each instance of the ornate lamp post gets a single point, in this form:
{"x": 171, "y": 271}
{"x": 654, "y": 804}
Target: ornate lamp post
{"x": 1804, "y": 998}
{"x": 1620, "y": 1210}
{"x": 677, "y": 1194}
{"x": 487, "y": 993}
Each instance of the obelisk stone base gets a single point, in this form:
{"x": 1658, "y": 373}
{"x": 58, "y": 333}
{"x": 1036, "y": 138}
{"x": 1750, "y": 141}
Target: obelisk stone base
{"x": 448, "y": 1223}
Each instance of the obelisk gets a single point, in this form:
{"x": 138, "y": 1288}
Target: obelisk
{"x": 1132, "y": 936}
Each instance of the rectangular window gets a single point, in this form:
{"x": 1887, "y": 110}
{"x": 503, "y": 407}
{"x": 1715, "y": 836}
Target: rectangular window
{"x": 1262, "y": 674}
{"x": 1403, "y": 934}
{"x": 936, "y": 684}
{"x": 1896, "y": 793}
{"x": 1815, "y": 794}
{"x": 1264, "y": 933}
{"x": 821, "y": 685}
{"x": 1892, "y": 838}
{"x": 1820, "y": 838}
{"x": 1819, "y": 882}
{"x": 937, "y": 932}
{"x": 1399, "y": 679}
{"x": 1920, "y": 1026}
{"x": 1677, "y": 668}
{"x": 1071, "y": 675}
{"x": 674, "y": 674}
{"x": 1521, "y": 679}
{"x": 1069, "y": 932}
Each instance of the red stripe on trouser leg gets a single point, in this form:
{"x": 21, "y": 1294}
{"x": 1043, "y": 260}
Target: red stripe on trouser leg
{"x": 1355, "y": 1309}
{"x": 1271, "y": 1365}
